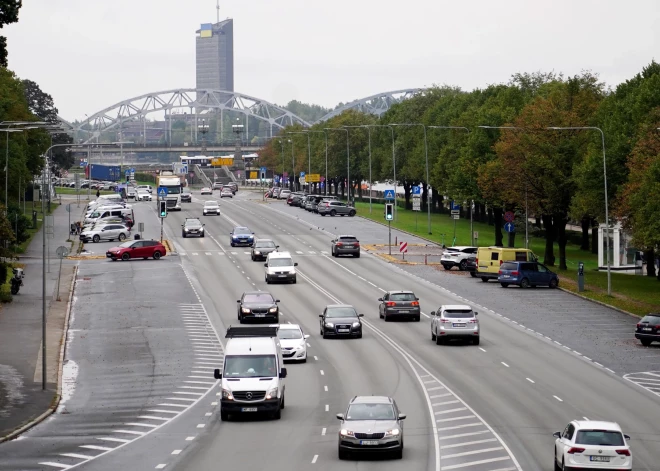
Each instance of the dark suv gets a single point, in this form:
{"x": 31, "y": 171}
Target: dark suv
{"x": 345, "y": 245}
{"x": 258, "y": 305}
{"x": 192, "y": 226}
{"x": 526, "y": 274}
{"x": 648, "y": 329}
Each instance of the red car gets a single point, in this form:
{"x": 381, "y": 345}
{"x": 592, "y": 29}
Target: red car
{"x": 137, "y": 249}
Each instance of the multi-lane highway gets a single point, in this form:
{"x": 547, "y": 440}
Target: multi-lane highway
{"x": 155, "y": 405}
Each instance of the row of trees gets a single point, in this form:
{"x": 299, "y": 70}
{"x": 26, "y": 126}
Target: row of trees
{"x": 559, "y": 173}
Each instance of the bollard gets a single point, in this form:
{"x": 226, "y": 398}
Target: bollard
{"x": 396, "y": 241}
{"x": 425, "y": 262}
{"x": 580, "y": 277}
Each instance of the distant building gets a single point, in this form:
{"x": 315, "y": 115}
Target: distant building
{"x": 215, "y": 55}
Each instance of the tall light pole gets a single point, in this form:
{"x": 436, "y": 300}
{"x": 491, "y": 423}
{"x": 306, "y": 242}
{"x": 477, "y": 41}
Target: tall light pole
{"x": 369, "y": 137}
{"x": 309, "y": 150}
{"x": 348, "y": 160}
{"x": 393, "y": 161}
{"x": 325, "y": 184}
{"x": 282, "y": 143}
{"x": 516, "y": 128}
{"x": 426, "y": 153}
{"x": 607, "y": 217}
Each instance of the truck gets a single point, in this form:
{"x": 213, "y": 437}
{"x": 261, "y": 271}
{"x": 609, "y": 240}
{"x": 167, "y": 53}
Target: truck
{"x": 174, "y": 187}
{"x": 110, "y": 173}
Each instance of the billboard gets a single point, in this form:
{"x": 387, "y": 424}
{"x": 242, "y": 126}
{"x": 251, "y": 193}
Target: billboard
{"x": 220, "y": 161}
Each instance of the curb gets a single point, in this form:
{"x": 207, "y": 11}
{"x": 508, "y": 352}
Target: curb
{"x": 86, "y": 257}
{"x": 58, "y": 394}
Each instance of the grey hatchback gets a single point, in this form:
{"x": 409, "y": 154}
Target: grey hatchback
{"x": 371, "y": 424}
{"x": 397, "y": 304}
{"x": 345, "y": 245}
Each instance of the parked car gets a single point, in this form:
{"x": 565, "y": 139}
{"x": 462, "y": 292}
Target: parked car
{"x": 283, "y": 194}
{"x": 334, "y": 208}
{"x": 455, "y": 321}
{"x": 398, "y": 304}
{"x": 489, "y": 260}
{"x": 371, "y": 424}
{"x": 206, "y": 191}
{"x": 107, "y": 232}
{"x": 340, "y": 320}
{"x": 648, "y": 329}
{"x": 211, "y": 207}
{"x": 457, "y": 257}
{"x": 137, "y": 249}
{"x": 345, "y": 245}
{"x": 526, "y": 274}
{"x": 471, "y": 266}
{"x": 192, "y": 226}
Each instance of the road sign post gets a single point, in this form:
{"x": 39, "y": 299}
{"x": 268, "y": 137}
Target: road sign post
{"x": 62, "y": 252}
{"x": 455, "y": 214}
{"x": 403, "y": 249}
{"x": 417, "y": 203}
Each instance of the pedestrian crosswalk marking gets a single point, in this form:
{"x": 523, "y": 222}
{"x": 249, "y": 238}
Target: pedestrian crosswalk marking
{"x": 195, "y": 253}
{"x": 299, "y": 251}
{"x": 209, "y": 253}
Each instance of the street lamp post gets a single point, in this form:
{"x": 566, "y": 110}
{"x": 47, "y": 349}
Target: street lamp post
{"x": 393, "y": 161}
{"x": 426, "y": 153}
{"x": 607, "y": 217}
{"x": 309, "y": 150}
{"x": 325, "y": 184}
{"x": 369, "y": 138}
{"x": 348, "y": 160}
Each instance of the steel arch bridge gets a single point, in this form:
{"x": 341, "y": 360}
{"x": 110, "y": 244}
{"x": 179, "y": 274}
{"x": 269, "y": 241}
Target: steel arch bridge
{"x": 200, "y": 102}
{"x": 374, "y": 104}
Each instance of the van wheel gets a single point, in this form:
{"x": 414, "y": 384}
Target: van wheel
{"x": 125, "y": 256}
{"x": 121, "y": 237}
{"x": 156, "y": 255}
{"x": 484, "y": 279}
{"x": 343, "y": 454}
{"x": 524, "y": 283}
{"x": 282, "y": 404}
{"x": 439, "y": 340}
{"x": 96, "y": 238}
{"x": 473, "y": 274}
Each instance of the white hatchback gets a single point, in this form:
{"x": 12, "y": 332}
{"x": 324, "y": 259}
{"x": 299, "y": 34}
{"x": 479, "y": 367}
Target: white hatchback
{"x": 293, "y": 342}
{"x": 211, "y": 207}
{"x": 592, "y": 444}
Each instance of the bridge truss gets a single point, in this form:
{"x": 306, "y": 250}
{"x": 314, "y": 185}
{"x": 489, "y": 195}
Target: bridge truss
{"x": 374, "y": 104}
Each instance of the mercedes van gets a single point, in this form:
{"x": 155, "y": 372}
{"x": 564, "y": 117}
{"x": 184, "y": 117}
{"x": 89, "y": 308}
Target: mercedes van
{"x": 252, "y": 377}
{"x": 489, "y": 260}
{"x": 280, "y": 267}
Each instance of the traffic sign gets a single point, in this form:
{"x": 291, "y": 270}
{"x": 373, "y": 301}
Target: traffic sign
{"x": 389, "y": 194}
{"x": 417, "y": 204}
{"x": 456, "y": 216}
{"x": 417, "y": 190}
{"x": 68, "y": 208}
{"x": 455, "y": 211}
{"x": 509, "y": 216}
{"x": 263, "y": 169}
{"x": 509, "y": 227}
{"x": 476, "y": 234}
{"x": 162, "y": 191}
{"x": 302, "y": 174}
{"x": 455, "y": 206}
{"x": 62, "y": 251}
{"x": 403, "y": 247}
{"x": 313, "y": 178}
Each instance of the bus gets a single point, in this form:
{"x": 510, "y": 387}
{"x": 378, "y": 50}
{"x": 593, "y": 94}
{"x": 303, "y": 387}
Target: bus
{"x": 201, "y": 160}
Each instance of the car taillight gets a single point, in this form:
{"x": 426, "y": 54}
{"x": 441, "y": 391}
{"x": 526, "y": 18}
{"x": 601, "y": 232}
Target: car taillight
{"x": 339, "y": 244}
{"x": 473, "y": 321}
{"x": 390, "y": 303}
{"x": 623, "y": 452}
{"x": 501, "y": 262}
{"x": 445, "y": 321}
{"x": 573, "y": 450}
{"x": 476, "y": 261}
{"x": 639, "y": 325}
{"x": 357, "y": 244}
{"x": 499, "y": 272}
{"x": 515, "y": 273}
{"x": 415, "y": 303}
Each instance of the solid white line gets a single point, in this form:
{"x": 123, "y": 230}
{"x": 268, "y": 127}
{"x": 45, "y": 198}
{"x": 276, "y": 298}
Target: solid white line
{"x": 474, "y": 452}
{"x": 110, "y": 439}
{"x": 193, "y": 387}
{"x": 76, "y": 455}
{"x": 176, "y": 452}
{"x": 530, "y": 380}
{"x": 505, "y": 365}
{"x": 55, "y": 465}
{"x": 472, "y": 463}
{"x": 475, "y": 442}
{"x": 558, "y": 398}
{"x": 323, "y": 431}
{"x": 316, "y": 457}
{"x": 96, "y": 447}
{"x": 327, "y": 407}
{"x": 596, "y": 363}
{"x": 326, "y": 388}
{"x": 190, "y": 439}
{"x": 200, "y": 382}
{"x": 586, "y": 358}
{"x": 452, "y": 419}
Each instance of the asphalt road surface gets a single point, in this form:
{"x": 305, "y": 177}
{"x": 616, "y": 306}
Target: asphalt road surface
{"x": 482, "y": 408}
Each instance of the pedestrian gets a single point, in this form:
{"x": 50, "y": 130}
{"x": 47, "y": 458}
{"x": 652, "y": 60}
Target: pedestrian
{"x": 98, "y": 193}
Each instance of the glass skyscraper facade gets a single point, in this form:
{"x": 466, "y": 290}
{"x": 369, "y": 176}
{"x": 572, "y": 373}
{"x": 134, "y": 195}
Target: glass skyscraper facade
{"x": 215, "y": 56}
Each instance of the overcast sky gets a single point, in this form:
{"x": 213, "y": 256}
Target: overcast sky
{"x": 91, "y": 54}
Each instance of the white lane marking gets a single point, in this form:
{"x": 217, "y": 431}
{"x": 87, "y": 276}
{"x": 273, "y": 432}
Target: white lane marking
{"x": 316, "y": 457}
{"x": 610, "y": 370}
{"x": 208, "y": 253}
{"x": 77, "y": 455}
{"x": 505, "y": 365}
{"x": 96, "y": 447}
{"x": 201, "y": 425}
{"x": 322, "y": 373}
{"x": 215, "y": 403}
{"x": 190, "y": 439}
{"x": 461, "y": 435}
{"x": 316, "y": 358}
{"x": 445, "y": 403}
{"x": 195, "y": 253}
{"x": 325, "y": 388}
{"x": 558, "y": 398}
{"x": 585, "y": 418}
{"x": 176, "y": 452}
{"x": 596, "y": 363}
{"x": 208, "y": 414}
{"x": 436, "y": 396}
{"x": 482, "y": 349}
{"x": 161, "y": 466}
{"x": 129, "y": 432}
{"x": 435, "y": 388}
{"x": 323, "y": 431}
{"x": 153, "y": 417}
{"x": 110, "y": 439}
{"x": 459, "y": 426}
{"x": 327, "y": 407}
{"x": 453, "y": 419}
{"x": 475, "y": 442}
{"x": 55, "y": 465}
{"x": 530, "y": 380}
{"x": 473, "y": 463}
{"x": 163, "y": 411}
{"x": 138, "y": 424}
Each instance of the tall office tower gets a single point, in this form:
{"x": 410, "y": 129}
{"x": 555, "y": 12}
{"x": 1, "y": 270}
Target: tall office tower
{"x": 215, "y": 55}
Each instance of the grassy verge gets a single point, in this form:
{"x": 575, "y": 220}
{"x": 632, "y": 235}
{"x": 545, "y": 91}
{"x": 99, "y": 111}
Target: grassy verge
{"x": 83, "y": 191}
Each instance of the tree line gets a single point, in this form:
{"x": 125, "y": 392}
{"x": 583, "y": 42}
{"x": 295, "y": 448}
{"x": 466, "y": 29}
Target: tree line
{"x": 514, "y": 159}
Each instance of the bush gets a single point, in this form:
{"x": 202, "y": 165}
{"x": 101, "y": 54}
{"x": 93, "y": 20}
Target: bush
{"x": 145, "y": 177}
{"x": 19, "y": 224}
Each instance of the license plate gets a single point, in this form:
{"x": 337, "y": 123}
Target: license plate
{"x": 349, "y": 246}
{"x": 404, "y": 311}
{"x": 249, "y": 409}
{"x": 458, "y": 325}
{"x": 600, "y": 458}
{"x": 368, "y": 442}
{"x": 505, "y": 276}
{"x": 281, "y": 276}
{"x": 647, "y": 329}
{"x": 343, "y": 331}
{"x": 260, "y": 315}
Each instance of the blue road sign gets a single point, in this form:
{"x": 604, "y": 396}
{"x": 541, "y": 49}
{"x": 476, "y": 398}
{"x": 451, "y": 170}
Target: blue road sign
{"x": 455, "y": 206}
{"x": 389, "y": 195}
{"x": 509, "y": 227}
{"x": 302, "y": 174}
{"x": 417, "y": 190}
{"x": 263, "y": 169}
{"x": 276, "y": 178}
{"x": 83, "y": 164}
{"x": 162, "y": 192}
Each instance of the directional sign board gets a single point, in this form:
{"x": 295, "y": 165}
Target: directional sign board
{"x": 417, "y": 190}
{"x": 389, "y": 195}
{"x": 313, "y": 178}
{"x": 509, "y": 227}
{"x": 509, "y": 216}
{"x": 455, "y": 206}
{"x": 162, "y": 192}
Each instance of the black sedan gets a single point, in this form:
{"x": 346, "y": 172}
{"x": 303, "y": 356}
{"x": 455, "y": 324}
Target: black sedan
{"x": 648, "y": 329}
{"x": 399, "y": 304}
{"x": 340, "y": 320}
{"x": 261, "y": 248}
{"x": 258, "y": 305}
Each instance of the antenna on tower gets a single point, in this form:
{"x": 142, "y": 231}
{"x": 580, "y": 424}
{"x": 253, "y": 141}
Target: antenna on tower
{"x": 217, "y": 7}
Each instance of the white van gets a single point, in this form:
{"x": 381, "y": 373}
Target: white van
{"x": 280, "y": 267}
{"x": 108, "y": 212}
{"x": 105, "y": 207}
{"x": 253, "y": 373}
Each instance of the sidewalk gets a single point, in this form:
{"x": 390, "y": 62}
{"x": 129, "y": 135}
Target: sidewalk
{"x": 22, "y": 399}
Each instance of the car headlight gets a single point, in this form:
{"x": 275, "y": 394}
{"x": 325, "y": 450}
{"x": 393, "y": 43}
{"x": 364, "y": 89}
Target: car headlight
{"x": 356, "y": 324}
{"x": 346, "y": 433}
{"x": 256, "y": 252}
{"x": 393, "y": 433}
{"x": 271, "y": 394}
{"x": 201, "y": 230}
{"x": 185, "y": 229}
{"x": 245, "y": 310}
{"x": 330, "y": 325}
{"x": 272, "y": 309}
{"x": 226, "y": 394}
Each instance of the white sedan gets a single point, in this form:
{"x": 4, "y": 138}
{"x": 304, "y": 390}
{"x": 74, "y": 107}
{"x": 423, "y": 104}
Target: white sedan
{"x": 206, "y": 191}
{"x": 592, "y": 444}
{"x": 143, "y": 195}
{"x": 293, "y": 342}
{"x": 211, "y": 207}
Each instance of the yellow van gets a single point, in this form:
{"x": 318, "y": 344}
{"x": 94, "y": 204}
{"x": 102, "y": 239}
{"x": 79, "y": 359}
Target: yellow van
{"x": 489, "y": 260}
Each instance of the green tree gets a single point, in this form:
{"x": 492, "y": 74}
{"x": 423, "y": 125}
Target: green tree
{"x": 8, "y": 14}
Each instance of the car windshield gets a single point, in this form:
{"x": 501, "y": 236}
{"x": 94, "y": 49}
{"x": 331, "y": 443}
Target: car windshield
{"x": 289, "y": 334}
{"x": 402, "y": 297}
{"x": 280, "y": 262}
{"x": 599, "y": 438}
{"x": 370, "y": 412}
{"x": 126, "y": 245}
{"x": 258, "y": 298}
{"x": 241, "y": 231}
{"x": 458, "y": 314}
{"x": 340, "y": 312}
{"x": 269, "y": 244}
{"x": 250, "y": 366}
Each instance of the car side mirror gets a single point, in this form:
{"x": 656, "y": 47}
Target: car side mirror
{"x": 265, "y": 264}
{"x": 360, "y": 315}
{"x": 253, "y": 233}
{"x": 432, "y": 313}
{"x": 557, "y": 434}
{"x": 340, "y": 416}
{"x": 380, "y": 299}
{"x": 320, "y": 315}
{"x": 402, "y": 416}
{"x": 627, "y": 437}
{"x": 277, "y": 246}
{"x": 295, "y": 264}
{"x": 217, "y": 374}
{"x": 476, "y": 313}
{"x": 416, "y": 299}
{"x": 306, "y": 336}
{"x": 283, "y": 373}
{"x": 238, "y": 300}
{"x": 181, "y": 225}
{"x": 277, "y": 300}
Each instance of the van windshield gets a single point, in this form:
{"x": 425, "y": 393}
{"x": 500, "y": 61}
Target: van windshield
{"x": 250, "y": 366}
{"x": 280, "y": 262}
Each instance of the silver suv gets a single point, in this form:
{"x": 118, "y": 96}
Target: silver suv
{"x": 334, "y": 208}
{"x": 371, "y": 424}
{"x": 454, "y": 320}
{"x": 457, "y": 257}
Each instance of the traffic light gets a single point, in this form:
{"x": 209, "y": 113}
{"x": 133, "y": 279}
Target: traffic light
{"x": 389, "y": 212}
{"x": 163, "y": 208}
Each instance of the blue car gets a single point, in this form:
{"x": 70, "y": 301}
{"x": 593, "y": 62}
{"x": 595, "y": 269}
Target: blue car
{"x": 526, "y": 274}
{"x": 241, "y": 236}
